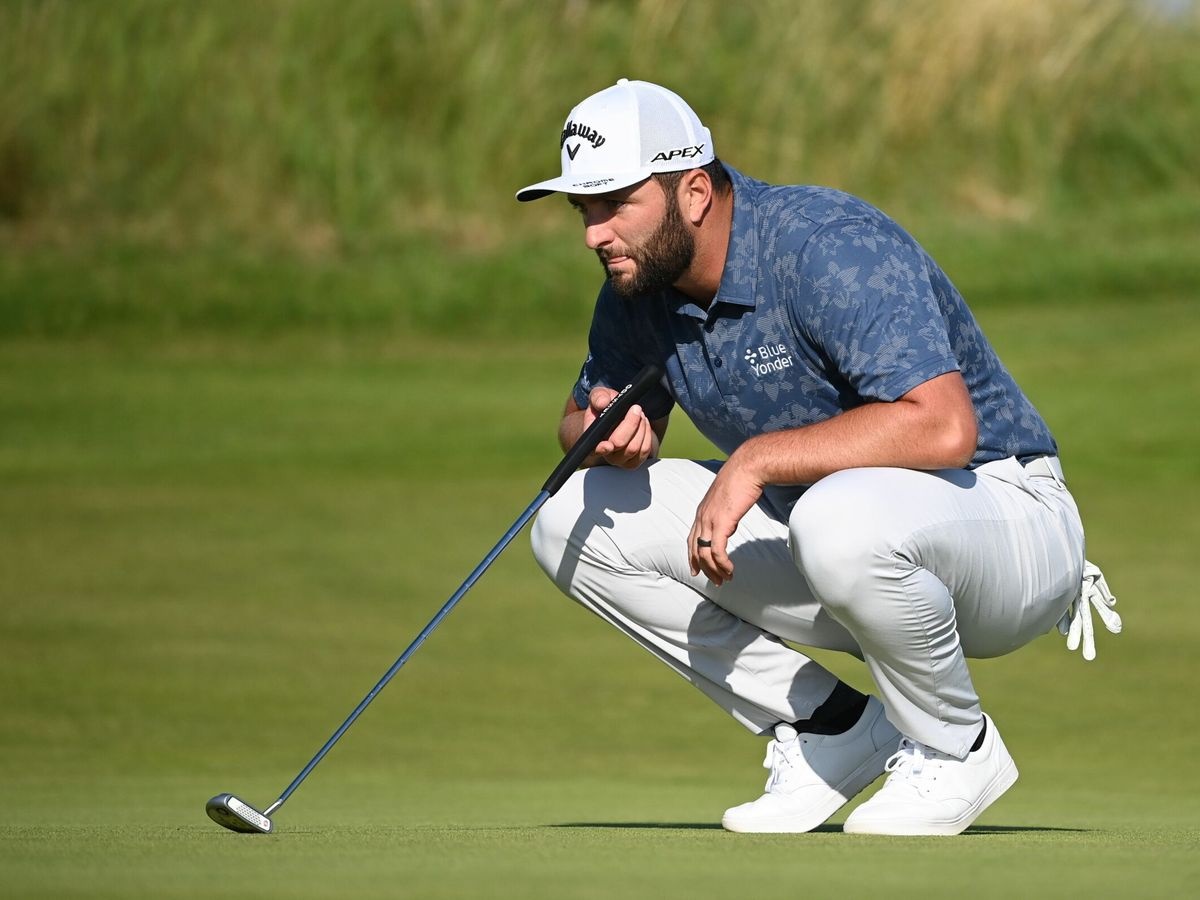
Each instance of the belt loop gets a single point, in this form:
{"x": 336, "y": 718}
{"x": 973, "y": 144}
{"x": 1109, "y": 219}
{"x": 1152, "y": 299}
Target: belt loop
{"x": 1047, "y": 466}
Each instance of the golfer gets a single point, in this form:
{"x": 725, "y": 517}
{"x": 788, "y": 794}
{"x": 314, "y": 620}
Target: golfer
{"x": 888, "y": 489}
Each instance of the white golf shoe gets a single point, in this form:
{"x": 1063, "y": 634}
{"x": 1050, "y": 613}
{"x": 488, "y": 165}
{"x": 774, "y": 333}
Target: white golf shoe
{"x": 929, "y": 793}
{"x": 815, "y": 775}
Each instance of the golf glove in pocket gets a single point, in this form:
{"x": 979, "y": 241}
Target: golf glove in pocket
{"x": 1076, "y": 622}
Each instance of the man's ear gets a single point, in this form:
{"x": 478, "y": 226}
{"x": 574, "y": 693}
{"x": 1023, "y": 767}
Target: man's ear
{"x": 695, "y": 195}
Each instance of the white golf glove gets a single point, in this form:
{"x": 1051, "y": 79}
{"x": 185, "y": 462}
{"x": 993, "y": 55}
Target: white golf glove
{"x": 1076, "y": 622}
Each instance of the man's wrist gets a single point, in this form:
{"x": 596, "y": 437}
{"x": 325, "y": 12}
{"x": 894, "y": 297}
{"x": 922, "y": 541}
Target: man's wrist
{"x": 745, "y": 463}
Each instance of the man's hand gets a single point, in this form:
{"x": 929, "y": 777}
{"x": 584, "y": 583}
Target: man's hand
{"x": 632, "y": 442}
{"x": 729, "y": 497}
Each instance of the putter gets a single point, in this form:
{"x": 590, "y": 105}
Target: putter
{"x": 237, "y": 815}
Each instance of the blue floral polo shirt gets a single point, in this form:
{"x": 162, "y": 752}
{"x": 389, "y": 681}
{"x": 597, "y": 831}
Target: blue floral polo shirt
{"x": 825, "y": 303}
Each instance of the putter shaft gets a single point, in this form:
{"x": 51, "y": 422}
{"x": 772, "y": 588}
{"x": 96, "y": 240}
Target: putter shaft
{"x": 227, "y": 810}
{"x": 512, "y": 532}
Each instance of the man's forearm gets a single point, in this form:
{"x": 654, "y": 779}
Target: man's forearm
{"x": 905, "y": 433}
{"x": 570, "y": 428}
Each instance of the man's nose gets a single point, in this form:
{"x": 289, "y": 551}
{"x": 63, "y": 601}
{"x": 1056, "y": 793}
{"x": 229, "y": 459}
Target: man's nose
{"x": 596, "y": 232}
{"x": 595, "y": 238}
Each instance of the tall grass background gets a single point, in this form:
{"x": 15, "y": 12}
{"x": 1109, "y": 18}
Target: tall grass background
{"x": 394, "y": 135}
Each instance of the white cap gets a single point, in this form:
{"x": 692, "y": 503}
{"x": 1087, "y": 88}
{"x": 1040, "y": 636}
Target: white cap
{"x": 623, "y": 135}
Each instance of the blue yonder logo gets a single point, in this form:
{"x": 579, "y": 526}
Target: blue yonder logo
{"x": 769, "y": 358}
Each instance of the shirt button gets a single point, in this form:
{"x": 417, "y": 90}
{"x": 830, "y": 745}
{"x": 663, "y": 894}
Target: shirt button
{"x": 717, "y": 362}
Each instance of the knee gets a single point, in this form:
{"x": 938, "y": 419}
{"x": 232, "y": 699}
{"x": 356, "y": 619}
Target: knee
{"x": 835, "y": 539}
{"x": 550, "y": 536}
{"x": 576, "y": 524}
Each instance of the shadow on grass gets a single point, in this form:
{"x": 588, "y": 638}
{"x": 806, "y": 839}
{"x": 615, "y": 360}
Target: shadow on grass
{"x": 973, "y": 831}
{"x": 689, "y": 826}
{"x": 1020, "y": 829}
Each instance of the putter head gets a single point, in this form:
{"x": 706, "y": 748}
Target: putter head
{"x": 230, "y": 812}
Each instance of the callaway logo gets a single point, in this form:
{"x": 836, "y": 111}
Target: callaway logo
{"x": 589, "y": 134}
{"x": 682, "y": 153}
{"x": 769, "y": 358}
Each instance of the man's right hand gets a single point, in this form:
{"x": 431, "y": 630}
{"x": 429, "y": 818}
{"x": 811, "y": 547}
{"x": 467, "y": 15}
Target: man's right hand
{"x": 632, "y": 442}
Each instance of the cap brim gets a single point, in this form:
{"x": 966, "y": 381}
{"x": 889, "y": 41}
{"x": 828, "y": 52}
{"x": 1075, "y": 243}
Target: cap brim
{"x": 582, "y": 184}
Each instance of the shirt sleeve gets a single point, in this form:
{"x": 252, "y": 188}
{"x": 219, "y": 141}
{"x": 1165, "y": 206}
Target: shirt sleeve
{"x": 863, "y": 295}
{"x": 616, "y": 355}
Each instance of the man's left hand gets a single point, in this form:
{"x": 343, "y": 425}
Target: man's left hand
{"x": 729, "y": 498}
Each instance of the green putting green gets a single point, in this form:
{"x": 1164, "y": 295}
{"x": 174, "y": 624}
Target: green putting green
{"x": 212, "y": 551}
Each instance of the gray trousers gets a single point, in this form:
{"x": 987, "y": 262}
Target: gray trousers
{"x": 911, "y": 571}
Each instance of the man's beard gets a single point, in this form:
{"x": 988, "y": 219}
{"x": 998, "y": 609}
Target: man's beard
{"x": 660, "y": 260}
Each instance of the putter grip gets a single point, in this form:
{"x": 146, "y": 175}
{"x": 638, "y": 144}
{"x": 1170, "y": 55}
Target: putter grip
{"x": 602, "y": 427}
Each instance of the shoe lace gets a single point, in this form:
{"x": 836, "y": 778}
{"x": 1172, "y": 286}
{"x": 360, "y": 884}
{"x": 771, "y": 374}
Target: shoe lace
{"x": 913, "y": 762}
{"x": 779, "y": 760}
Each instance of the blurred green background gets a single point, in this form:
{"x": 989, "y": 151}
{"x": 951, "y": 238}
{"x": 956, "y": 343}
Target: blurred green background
{"x": 281, "y": 358}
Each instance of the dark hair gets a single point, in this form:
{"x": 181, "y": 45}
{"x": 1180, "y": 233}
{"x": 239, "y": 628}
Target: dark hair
{"x": 669, "y": 181}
